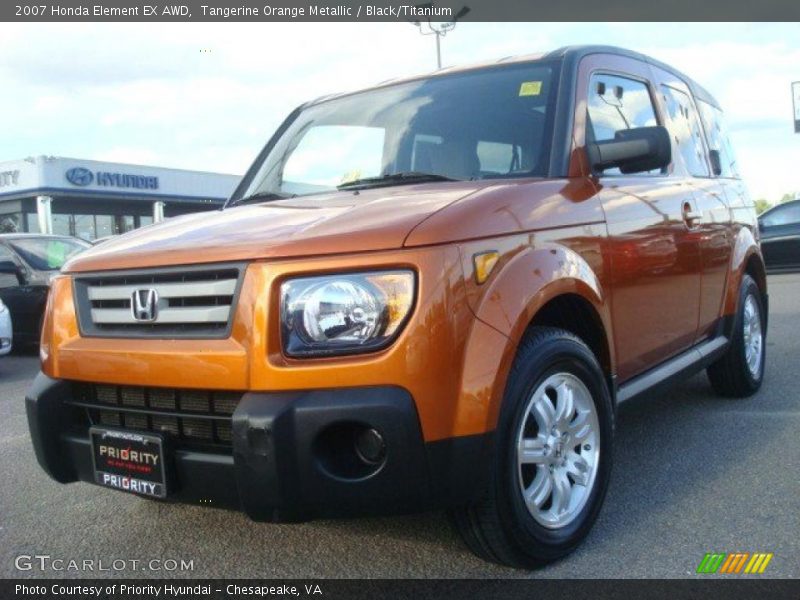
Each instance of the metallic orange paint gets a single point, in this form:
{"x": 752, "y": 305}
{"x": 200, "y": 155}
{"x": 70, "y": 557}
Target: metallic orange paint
{"x": 621, "y": 243}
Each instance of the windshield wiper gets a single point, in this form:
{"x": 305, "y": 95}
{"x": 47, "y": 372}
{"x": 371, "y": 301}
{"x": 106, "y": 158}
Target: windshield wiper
{"x": 261, "y": 197}
{"x": 394, "y": 179}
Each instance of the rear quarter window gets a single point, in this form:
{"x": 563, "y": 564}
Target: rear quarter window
{"x": 717, "y": 136}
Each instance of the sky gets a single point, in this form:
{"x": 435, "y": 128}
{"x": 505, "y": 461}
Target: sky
{"x": 207, "y": 96}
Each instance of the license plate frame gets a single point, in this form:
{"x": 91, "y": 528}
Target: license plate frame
{"x": 129, "y": 461}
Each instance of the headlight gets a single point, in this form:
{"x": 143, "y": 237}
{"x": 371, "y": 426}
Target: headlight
{"x": 344, "y": 314}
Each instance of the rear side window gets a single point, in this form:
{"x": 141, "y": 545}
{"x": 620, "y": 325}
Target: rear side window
{"x": 615, "y": 104}
{"x": 717, "y": 135}
{"x": 685, "y": 128}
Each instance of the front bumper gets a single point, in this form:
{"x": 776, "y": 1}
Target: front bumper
{"x": 290, "y": 456}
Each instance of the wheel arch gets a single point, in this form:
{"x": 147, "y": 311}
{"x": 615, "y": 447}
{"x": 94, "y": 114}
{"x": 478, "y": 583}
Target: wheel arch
{"x": 746, "y": 259}
{"x": 545, "y": 286}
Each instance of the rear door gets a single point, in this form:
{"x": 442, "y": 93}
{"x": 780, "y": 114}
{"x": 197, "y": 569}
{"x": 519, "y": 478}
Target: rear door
{"x": 710, "y": 221}
{"x": 655, "y": 261}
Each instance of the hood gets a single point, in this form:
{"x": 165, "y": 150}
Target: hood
{"x": 334, "y": 223}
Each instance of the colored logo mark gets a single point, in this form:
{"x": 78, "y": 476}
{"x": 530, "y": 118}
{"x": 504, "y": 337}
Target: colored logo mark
{"x": 79, "y": 176}
{"x": 734, "y": 563}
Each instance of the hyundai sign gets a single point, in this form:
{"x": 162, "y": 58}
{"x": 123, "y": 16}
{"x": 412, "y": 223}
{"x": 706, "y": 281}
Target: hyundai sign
{"x": 82, "y": 177}
{"x": 79, "y": 176}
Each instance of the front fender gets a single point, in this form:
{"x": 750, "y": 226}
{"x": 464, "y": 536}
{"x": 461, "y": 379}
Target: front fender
{"x": 530, "y": 273}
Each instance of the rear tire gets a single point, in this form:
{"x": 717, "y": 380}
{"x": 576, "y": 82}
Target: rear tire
{"x": 552, "y": 462}
{"x": 739, "y": 372}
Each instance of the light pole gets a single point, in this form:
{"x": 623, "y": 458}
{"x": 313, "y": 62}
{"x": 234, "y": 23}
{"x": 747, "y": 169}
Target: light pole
{"x": 438, "y": 29}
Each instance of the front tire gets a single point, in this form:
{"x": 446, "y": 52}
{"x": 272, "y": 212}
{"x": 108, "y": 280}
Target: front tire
{"x": 739, "y": 372}
{"x": 552, "y": 457}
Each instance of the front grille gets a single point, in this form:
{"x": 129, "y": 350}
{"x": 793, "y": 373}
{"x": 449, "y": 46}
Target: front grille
{"x": 186, "y": 302}
{"x": 192, "y": 418}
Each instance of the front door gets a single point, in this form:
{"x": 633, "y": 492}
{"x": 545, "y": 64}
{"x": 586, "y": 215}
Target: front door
{"x": 655, "y": 258}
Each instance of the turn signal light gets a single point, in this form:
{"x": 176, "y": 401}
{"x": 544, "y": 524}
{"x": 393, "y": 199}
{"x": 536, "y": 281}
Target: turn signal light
{"x": 484, "y": 263}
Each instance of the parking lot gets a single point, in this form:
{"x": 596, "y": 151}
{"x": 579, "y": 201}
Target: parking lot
{"x": 693, "y": 473}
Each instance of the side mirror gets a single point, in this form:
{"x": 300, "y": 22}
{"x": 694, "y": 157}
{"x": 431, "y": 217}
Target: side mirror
{"x": 632, "y": 150}
{"x": 716, "y": 163}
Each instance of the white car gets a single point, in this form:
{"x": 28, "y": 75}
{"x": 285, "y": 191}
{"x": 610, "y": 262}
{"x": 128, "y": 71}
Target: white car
{"x": 5, "y": 330}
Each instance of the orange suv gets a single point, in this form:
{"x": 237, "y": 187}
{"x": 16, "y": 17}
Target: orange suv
{"x": 431, "y": 293}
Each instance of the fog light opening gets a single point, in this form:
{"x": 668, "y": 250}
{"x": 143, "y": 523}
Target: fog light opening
{"x": 370, "y": 446}
{"x": 350, "y": 451}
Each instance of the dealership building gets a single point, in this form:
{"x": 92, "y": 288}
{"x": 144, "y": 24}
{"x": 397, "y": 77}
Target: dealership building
{"x": 91, "y": 199}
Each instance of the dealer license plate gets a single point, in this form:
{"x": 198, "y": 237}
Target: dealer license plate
{"x": 129, "y": 461}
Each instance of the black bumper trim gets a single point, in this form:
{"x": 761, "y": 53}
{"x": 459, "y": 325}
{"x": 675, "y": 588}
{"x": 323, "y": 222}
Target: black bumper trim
{"x": 278, "y": 469}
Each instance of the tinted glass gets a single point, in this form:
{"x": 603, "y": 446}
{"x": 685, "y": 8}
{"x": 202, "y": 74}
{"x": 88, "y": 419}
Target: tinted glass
{"x": 439, "y": 125}
{"x": 615, "y": 104}
{"x": 717, "y": 136}
{"x": 47, "y": 254}
{"x": 83, "y": 227}
{"x": 782, "y": 215}
{"x": 62, "y": 224}
{"x": 104, "y": 226}
{"x": 684, "y": 126}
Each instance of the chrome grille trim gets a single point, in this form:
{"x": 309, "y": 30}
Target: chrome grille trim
{"x": 196, "y": 302}
{"x": 123, "y": 316}
{"x": 166, "y": 290}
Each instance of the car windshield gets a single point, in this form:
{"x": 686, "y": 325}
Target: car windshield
{"x": 487, "y": 123}
{"x": 47, "y": 254}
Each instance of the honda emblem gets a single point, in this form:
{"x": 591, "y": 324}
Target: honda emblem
{"x": 144, "y": 305}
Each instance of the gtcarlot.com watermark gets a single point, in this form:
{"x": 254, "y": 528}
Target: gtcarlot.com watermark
{"x": 45, "y": 563}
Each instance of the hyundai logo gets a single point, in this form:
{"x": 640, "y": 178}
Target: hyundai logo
{"x": 144, "y": 305}
{"x": 79, "y": 176}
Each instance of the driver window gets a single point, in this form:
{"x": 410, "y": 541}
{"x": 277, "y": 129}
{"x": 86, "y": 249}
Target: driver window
{"x": 615, "y": 104}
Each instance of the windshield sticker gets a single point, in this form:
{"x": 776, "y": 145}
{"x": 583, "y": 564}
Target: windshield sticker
{"x": 530, "y": 88}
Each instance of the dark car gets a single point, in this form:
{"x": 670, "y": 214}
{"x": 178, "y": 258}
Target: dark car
{"x": 27, "y": 263}
{"x": 780, "y": 236}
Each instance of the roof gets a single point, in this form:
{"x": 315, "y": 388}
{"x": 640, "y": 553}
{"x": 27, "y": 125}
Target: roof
{"x": 572, "y": 53}
{"x": 578, "y": 52}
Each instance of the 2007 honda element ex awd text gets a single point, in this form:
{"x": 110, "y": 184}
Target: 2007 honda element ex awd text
{"x": 429, "y": 294}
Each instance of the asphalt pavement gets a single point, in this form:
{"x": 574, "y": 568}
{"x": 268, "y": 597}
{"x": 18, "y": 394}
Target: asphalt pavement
{"x": 693, "y": 473}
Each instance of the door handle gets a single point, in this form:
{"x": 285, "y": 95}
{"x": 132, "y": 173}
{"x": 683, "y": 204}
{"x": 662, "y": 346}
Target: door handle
{"x": 690, "y": 215}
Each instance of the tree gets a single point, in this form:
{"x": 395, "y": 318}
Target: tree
{"x": 762, "y": 204}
